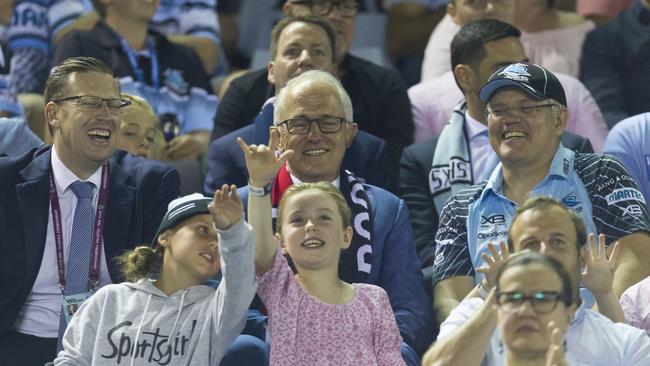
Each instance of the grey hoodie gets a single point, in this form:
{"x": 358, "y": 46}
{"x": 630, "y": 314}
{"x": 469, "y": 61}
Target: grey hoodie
{"x": 202, "y": 321}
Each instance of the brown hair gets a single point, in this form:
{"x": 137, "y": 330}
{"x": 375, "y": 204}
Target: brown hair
{"x": 325, "y": 188}
{"x": 543, "y": 203}
{"x": 58, "y": 78}
{"x": 310, "y": 19}
{"x": 140, "y": 262}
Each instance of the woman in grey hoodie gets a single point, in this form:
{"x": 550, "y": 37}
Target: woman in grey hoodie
{"x": 174, "y": 320}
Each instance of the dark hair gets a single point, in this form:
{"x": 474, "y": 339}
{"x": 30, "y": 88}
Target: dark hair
{"x": 58, "y": 78}
{"x": 543, "y": 203}
{"x": 140, "y": 262}
{"x": 467, "y": 45}
{"x": 99, "y": 8}
{"x": 527, "y": 258}
{"x": 310, "y": 19}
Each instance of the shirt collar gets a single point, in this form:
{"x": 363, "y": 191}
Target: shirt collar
{"x": 561, "y": 166}
{"x": 473, "y": 127}
{"x": 336, "y": 183}
{"x": 63, "y": 176}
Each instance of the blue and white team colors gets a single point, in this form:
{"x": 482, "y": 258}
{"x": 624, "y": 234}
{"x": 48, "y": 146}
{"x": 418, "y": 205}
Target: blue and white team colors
{"x": 595, "y": 186}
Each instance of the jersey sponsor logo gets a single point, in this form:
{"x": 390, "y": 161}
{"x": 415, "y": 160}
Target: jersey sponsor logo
{"x": 442, "y": 177}
{"x": 632, "y": 210}
{"x": 494, "y": 219}
{"x": 612, "y": 181}
{"x": 624, "y": 194}
{"x": 439, "y": 259}
{"x": 493, "y": 234}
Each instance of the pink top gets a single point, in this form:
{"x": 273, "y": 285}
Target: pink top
{"x": 305, "y": 331}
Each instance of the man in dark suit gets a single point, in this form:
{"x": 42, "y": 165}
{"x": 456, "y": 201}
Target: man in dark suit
{"x": 381, "y": 104}
{"x": 298, "y": 44}
{"x": 432, "y": 170}
{"x": 313, "y": 117}
{"x": 366, "y": 155}
{"x": 39, "y": 199}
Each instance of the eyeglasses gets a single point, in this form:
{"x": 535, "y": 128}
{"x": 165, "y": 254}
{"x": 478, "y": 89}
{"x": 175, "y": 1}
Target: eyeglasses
{"x": 303, "y": 125}
{"x": 524, "y": 110}
{"x": 543, "y": 302}
{"x": 324, "y": 7}
{"x": 93, "y": 102}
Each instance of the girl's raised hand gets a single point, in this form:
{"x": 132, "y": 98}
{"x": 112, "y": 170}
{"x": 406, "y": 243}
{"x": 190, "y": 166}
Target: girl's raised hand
{"x": 261, "y": 160}
{"x": 598, "y": 276}
{"x": 226, "y": 207}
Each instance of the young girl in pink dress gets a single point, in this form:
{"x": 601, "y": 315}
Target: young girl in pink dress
{"x": 314, "y": 317}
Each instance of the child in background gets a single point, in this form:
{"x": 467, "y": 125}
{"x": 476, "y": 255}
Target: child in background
{"x": 174, "y": 320}
{"x": 314, "y": 317}
{"x": 139, "y": 132}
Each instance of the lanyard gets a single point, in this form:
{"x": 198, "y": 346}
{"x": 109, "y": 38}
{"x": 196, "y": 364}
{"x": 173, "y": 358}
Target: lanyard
{"x": 98, "y": 229}
{"x": 137, "y": 70}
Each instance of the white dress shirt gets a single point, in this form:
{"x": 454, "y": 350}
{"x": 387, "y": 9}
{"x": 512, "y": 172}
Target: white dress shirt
{"x": 41, "y": 311}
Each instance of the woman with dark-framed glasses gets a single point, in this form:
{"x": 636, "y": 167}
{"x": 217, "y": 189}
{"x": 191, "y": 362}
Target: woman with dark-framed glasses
{"x": 535, "y": 305}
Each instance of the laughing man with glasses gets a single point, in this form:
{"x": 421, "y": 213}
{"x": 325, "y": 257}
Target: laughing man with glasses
{"x": 524, "y": 132}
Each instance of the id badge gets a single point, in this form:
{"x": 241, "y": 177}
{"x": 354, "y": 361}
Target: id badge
{"x": 71, "y": 304}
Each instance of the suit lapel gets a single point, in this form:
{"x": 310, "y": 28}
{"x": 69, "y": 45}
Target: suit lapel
{"x": 33, "y": 204}
{"x": 121, "y": 200}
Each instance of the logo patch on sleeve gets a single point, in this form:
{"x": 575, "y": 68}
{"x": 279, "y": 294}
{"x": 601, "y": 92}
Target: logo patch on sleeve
{"x": 624, "y": 194}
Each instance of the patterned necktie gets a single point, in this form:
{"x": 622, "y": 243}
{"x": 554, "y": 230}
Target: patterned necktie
{"x": 77, "y": 266}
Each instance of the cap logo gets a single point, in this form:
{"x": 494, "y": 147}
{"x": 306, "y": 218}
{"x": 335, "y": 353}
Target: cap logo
{"x": 518, "y": 72}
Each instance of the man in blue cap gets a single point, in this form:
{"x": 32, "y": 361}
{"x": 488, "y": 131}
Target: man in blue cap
{"x": 526, "y": 113}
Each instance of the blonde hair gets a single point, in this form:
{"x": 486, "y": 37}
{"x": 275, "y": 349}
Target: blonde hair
{"x": 324, "y": 187}
{"x": 140, "y": 102}
{"x": 140, "y": 262}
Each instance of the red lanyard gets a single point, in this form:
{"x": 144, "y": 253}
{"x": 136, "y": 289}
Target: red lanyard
{"x": 98, "y": 229}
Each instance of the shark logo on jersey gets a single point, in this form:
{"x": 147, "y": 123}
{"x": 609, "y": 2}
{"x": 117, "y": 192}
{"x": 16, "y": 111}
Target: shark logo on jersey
{"x": 175, "y": 82}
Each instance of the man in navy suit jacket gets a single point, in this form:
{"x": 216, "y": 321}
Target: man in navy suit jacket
{"x": 366, "y": 156}
{"x": 298, "y": 44}
{"x": 82, "y": 110}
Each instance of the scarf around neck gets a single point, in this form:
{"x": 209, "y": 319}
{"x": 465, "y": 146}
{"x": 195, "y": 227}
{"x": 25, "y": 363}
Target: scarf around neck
{"x": 451, "y": 168}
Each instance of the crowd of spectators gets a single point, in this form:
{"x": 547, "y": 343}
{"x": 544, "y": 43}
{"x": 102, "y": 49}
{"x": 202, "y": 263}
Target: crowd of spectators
{"x": 470, "y": 187}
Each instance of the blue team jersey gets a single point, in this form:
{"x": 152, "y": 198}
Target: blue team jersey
{"x": 595, "y": 186}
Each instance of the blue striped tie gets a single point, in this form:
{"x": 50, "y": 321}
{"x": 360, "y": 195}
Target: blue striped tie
{"x": 77, "y": 266}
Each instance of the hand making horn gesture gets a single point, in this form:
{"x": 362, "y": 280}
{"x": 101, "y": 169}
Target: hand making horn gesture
{"x": 261, "y": 160}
